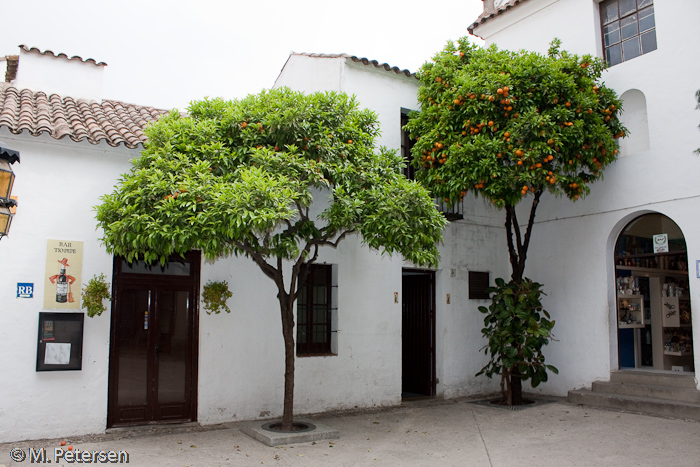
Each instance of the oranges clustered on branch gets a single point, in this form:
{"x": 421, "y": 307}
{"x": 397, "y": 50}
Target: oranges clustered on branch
{"x": 504, "y": 124}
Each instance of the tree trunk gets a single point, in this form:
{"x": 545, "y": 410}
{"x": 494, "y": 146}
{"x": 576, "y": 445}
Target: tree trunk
{"x": 516, "y": 387}
{"x": 517, "y": 252}
{"x": 287, "y": 310}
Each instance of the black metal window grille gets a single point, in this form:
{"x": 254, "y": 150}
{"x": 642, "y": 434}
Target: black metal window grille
{"x": 314, "y": 311}
{"x": 478, "y": 283}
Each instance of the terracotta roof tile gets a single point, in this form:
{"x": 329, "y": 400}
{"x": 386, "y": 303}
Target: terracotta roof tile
{"x": 484, "y": 17}
{"x": 113, "y": 122}
{"x": 364, "y": 61}
{"x": 61, "y": 55}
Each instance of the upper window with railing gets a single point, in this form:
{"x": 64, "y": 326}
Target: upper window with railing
{"x": 629, "y": 29}
{"x": 451, "y": 211}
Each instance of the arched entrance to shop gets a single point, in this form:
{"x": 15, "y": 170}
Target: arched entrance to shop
{"x": 653, "y": 309}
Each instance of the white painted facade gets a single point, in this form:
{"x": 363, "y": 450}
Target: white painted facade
{"x": 240, "y": 369}
{"x": 572, "y": 247}
{"x": 241, "y": 355}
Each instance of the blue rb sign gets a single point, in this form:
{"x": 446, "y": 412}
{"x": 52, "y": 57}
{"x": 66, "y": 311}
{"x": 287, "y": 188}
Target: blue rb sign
{"x": 25, "y": 289}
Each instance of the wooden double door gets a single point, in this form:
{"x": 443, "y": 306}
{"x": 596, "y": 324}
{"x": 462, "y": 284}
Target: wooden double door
{"x": 153, "y": 352}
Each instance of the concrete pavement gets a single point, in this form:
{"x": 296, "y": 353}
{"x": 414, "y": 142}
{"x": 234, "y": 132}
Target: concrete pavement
{"x": 418, "y": 433}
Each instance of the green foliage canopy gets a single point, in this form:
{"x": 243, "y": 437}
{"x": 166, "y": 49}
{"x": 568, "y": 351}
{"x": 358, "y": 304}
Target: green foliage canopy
{"x": 239, "y": 177}
{"x": 504, "y": 124}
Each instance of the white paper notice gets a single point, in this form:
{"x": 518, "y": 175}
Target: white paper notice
{"x": 57, "y": 354}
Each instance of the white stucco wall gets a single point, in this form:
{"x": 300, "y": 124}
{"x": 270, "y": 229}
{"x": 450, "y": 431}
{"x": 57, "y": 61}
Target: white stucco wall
{"x": 59, "y": 75}
{"x": 57, "y": 184}
{"x": 572, "y": 247}
{"x": 475, "y": 243}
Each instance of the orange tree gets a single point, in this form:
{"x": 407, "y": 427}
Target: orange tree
{"x": 273, "y": 177}
{"x": 510, "y": 126}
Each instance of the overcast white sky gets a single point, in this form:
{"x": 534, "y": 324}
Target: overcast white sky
{"x": 166, "y": 53}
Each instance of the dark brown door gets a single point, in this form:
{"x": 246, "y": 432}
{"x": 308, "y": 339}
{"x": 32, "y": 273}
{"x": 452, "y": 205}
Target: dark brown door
{"x": 153, "y": 354}
{"x": 418, "y": 333}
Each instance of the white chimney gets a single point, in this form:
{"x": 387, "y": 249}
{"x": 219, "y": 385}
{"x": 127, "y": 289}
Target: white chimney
{"x": 59, "y": 74}
{"x": 489, "y": 6}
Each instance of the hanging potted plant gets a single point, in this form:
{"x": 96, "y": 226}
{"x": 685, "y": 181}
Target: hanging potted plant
{"x": 215, "y": 295}
{"x": 95, "y": 292}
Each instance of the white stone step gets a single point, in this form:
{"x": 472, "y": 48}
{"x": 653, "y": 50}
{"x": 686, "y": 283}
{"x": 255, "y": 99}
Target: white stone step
{"x": 670, "y": 379}
{"x": 648, "y": 391}
{"x": 645, "y": 405}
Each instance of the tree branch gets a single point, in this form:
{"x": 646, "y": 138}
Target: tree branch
{"x": 510, "y": 213}
{"x": 528, "y": 231}
{"x": 324, "y": 241}
{"x": 303, "y": 211}
{"x": 265, "y": 267}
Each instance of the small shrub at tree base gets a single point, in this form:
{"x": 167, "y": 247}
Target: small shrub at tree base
{"x": 215, "y": 295}
{"x": 93, "y": 295}
{"x": 517, "y": 327}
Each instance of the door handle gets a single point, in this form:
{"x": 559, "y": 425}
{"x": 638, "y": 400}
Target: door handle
{"x": 157, "y": 352}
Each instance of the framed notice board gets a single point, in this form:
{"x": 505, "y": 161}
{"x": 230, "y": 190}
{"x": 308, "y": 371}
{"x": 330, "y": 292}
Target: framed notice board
{"x": 60, "y": 343}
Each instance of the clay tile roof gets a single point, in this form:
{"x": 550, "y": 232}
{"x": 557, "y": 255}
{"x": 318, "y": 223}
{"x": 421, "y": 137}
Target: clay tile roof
{"x": 61, "y": 55}
{"x": 484, "y": 17}
{"x": 364, "y": 61}
{"x": 113, "y": 122}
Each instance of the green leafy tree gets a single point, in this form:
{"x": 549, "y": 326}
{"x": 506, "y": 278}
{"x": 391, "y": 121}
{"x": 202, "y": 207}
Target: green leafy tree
{"x": 511, "y": 126}
{"x": 240, "y": 177}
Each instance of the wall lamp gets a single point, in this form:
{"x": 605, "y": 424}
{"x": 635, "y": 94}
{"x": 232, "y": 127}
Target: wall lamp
{"x": 7, "y": 179}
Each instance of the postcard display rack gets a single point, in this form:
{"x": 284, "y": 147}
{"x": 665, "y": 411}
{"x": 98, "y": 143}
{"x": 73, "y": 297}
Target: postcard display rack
{"x": 669, "y": 274}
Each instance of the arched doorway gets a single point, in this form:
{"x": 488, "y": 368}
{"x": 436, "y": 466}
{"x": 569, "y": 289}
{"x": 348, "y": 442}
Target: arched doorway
{"x": 653, "y": 311}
